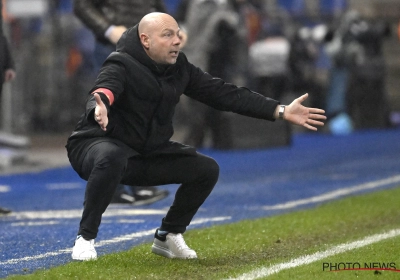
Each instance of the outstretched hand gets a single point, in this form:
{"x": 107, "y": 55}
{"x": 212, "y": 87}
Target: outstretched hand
{"x": 100, "y": 112}
{"x": 298, "y": 114}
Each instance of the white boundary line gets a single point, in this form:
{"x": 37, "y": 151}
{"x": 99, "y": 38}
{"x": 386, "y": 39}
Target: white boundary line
{"x": 334, "y": 194}
{"x": 307, "y": 259}
{"x": 126, "y": 237}
{"x": 4, "y": 188}
{"x": 77, "y": 213}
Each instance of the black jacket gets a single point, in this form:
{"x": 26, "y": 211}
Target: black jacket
{"x": 99, "y": 15}
{"x": 146, "y": 95}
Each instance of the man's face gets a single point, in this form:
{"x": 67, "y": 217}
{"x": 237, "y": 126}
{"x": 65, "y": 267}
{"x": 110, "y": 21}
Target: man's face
{"x": 164, "y": 41}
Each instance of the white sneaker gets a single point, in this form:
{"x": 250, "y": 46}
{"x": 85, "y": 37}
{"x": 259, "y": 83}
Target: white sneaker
{"x": 84, "y": 249}
{"x": 174, "y": 246}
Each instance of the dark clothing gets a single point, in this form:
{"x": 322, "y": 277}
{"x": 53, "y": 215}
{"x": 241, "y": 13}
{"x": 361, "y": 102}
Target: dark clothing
{"x": 99, "y": 15}
{"x": 106, "y": 165}
{"x": 146, "y": 95}
{"x": 367, "y": 101}
{"x": 6, "y": 61}
{"x": 136, "y": 148}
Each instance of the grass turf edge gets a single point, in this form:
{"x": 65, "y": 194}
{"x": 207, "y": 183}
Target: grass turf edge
{"x": 232, "y": 249}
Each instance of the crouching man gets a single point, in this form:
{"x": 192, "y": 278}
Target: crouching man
{"x": 124, "y": 135}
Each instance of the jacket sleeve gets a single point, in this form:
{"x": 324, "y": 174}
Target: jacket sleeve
{"x": 112, "y": 76}
{"x": 228, "y": 97}
{"x": 90, "y": 15}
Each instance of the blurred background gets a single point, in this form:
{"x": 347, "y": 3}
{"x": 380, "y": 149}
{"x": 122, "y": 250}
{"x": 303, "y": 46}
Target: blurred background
{"x": 345, "y": 53}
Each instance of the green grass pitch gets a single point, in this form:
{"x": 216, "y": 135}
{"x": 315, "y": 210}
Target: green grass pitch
{"x": 233, "y": 250}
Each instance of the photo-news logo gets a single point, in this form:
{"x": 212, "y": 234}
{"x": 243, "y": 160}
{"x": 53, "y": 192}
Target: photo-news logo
{"x": 345, "y": 266}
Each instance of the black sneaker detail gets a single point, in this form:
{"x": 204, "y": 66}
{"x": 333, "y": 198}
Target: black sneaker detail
{"x": 123, "y": 195}
{"x": 147, "y": 195}
{"x": 4, "y": 211}
{"x": 161, "y": 237}
{"x": 138, "y": 196}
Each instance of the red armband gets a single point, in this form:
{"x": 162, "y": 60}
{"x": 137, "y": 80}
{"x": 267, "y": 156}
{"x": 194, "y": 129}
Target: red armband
{"x": 107, "y": 93}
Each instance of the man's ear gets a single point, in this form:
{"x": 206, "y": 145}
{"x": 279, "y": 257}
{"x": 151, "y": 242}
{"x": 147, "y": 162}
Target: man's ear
{"x": 144, "y": 39}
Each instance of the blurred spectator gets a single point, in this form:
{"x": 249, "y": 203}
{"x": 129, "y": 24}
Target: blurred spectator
{"x": 269, "y": 59}
{"x": 303, "y": 56}
{"x": 367, "y": 96}
{"x": 79, "y": 65}
{"x": 216, "y": 42}
{"x": 357, "y": 96}
{"x": 269, "y": 56}
{"x": 342, "y": 52}
{"x": 108, "y": 19}
{"x": 7, "y": 70}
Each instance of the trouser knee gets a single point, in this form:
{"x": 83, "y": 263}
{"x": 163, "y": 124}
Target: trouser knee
{"x": 106, "y": 162}
{"x": 213, "y": 170}
{"x": 208, "y": 169}
{"x": 112, "y": 165}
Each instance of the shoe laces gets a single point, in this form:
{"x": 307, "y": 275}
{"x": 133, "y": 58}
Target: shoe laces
{"x": 179, "y": 241}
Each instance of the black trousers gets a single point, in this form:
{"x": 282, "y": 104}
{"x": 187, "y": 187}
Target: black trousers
{"x": 106, "y": 164}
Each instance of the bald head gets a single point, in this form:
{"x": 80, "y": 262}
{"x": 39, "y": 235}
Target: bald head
{"x": 159, "y": 35}
{"x": 151, "y": 21}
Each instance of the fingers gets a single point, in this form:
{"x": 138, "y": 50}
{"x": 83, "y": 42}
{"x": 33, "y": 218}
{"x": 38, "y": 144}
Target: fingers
{"x": 302, "y": 98}
{"x": 102, "y": 121}
{"x": 98, "y": 116}
{"x": 316, "y": 111}
{"x": 311, "y": 124}
{"x": 310, "y": 127}
{"x": 103, "y": 127}
{"x": 314, "y": 122}
{"x": 317, "y": 117}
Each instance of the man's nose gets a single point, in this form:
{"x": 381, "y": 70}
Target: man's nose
{"x": 177, "y": 40}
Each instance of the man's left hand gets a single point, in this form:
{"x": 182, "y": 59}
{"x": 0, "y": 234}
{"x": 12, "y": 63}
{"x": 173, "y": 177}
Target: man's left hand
{"x": 298, "y": 114}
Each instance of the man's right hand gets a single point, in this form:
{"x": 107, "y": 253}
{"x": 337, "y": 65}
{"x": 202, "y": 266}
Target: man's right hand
{"x": 100, "y": 112}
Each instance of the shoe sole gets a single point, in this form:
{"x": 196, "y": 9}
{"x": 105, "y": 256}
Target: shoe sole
{"x": 161, "y": 251}
{"x": 83, "y": 259}
{"x": 158, "y": 250}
